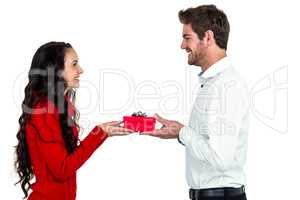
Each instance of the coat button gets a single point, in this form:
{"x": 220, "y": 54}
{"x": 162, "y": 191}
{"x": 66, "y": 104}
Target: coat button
{"x": 202, "y": 85}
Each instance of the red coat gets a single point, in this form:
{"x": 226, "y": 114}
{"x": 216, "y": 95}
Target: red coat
{"x": 55, "y": 169}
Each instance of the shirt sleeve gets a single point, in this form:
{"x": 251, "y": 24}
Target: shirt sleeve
{"x": 51, "y": 146}
{"x": 215, "y": 140}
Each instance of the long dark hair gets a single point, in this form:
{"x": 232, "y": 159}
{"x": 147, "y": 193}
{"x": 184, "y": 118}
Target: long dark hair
{"x": 45, "y": 81}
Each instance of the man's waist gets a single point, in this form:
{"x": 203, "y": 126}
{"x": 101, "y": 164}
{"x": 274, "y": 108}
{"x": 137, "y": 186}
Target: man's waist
{"x": 211, "y": 178}
{"x": 216, "y": 192}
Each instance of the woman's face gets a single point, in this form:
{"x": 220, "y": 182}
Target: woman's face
{"x": 72, "y": 69}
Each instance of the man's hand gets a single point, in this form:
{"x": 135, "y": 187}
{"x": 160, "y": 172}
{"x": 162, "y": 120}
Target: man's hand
{"x": 169, "y": 130}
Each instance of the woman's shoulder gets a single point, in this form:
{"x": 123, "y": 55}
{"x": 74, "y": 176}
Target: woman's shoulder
{"x": 45, "y": 120}
{"x": 44, "y": 106}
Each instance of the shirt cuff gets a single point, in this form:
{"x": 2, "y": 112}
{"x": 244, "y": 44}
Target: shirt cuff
{"x": 185, "y": 135}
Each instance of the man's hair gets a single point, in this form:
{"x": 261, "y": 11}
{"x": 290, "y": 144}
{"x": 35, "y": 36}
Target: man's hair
{"x": 207, "y": 17}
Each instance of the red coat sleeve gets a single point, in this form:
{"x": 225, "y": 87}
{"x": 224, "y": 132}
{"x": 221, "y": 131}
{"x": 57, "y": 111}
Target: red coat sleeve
{"x": 51, "y": 146}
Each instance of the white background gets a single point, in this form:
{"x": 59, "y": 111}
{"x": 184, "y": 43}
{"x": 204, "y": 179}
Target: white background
{"x": 132, "y": 61}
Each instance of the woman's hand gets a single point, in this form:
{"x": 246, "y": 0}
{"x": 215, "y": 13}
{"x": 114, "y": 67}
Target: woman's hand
{"x": 114, "y": 129}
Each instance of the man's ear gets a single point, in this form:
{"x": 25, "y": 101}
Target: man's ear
{"x": 209, "y": 37}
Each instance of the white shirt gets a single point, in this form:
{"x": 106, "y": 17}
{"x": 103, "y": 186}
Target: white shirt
{"x": 216, "y": 136}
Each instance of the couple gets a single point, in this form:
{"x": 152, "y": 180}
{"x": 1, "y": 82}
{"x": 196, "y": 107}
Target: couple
{"x": 215, "y": 138}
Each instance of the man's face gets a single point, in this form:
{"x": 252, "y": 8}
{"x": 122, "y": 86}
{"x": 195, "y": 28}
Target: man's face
{"x": 193, "y": 45}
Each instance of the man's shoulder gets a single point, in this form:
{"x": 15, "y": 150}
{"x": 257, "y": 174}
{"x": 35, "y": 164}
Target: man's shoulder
{"x": 232, "y": 74}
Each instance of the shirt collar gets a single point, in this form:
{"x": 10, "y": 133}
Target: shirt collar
{"x": 216, "y": 68}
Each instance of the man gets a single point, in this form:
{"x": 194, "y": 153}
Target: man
{"x": 216, "y": 136}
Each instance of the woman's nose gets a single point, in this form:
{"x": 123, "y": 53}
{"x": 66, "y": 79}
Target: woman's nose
{"x": 80, "y": 70}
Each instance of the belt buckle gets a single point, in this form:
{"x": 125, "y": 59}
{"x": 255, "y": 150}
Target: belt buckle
{"x": 192, "y": 194}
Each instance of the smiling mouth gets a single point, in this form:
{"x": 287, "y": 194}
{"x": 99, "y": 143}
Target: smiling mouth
{"x": 189, "y": 52}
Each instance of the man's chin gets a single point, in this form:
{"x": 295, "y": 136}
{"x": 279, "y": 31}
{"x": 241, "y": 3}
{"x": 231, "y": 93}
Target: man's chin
{"x": 191, "y": 62}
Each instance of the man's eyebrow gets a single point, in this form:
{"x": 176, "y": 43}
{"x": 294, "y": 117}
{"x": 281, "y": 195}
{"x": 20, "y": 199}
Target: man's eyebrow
{"x": 185, "y": 35}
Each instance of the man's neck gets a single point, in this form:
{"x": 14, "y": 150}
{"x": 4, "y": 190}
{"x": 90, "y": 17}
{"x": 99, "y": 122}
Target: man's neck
{"x": 212, "y": 59}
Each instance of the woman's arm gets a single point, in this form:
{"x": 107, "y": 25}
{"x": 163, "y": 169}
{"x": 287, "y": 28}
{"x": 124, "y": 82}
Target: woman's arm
{"x": 51, "y": 145}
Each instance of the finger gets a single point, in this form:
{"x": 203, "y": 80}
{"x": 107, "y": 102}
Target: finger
{"x": 113, "y": 123}
{"x": 152, "y": 133}
{"x": 164, "y": 126}
{"x": 120, "y": 122}
{"x": 157, "y": 132}
{"x": 122, "y": 132}
{"x": 161, "y": 132}
{"x": 121, "y": 129}
{"x": 161, "y": 120}
{"x": 158, "y": 135}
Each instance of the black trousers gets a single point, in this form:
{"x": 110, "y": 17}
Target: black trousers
{"x": 239, "y": 197}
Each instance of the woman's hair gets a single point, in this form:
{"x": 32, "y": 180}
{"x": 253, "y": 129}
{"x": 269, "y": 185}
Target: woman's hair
{"x": 45, "y": 81}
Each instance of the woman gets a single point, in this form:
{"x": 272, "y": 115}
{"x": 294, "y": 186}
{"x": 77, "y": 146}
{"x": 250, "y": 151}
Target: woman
{"x": 48, "y": 145}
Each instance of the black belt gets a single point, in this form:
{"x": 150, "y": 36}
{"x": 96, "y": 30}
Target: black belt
{"x": 216, "y": 192}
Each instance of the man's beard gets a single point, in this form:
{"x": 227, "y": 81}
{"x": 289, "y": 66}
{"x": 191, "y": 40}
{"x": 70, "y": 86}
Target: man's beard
{"x": 194, "y": 58}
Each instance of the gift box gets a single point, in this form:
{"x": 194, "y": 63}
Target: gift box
{"x": 139, "y": 122}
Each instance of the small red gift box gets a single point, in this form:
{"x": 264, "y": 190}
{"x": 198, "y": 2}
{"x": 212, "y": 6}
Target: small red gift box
{"x": 139, "y": 123}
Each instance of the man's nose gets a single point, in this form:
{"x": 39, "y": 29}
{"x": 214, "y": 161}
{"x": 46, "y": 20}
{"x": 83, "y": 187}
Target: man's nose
{"x": 183, "y": 45}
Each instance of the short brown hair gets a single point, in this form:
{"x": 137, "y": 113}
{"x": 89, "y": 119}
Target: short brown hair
{"x": 207, "y": 17}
